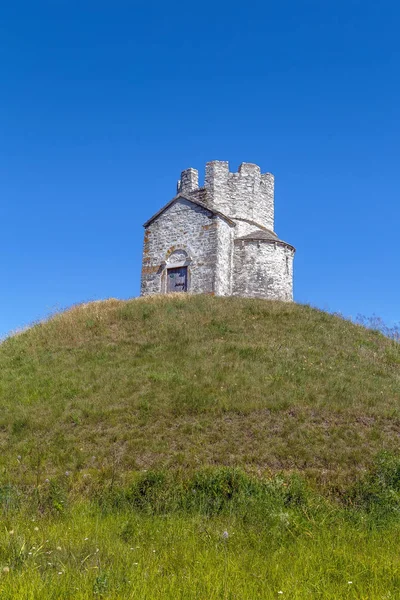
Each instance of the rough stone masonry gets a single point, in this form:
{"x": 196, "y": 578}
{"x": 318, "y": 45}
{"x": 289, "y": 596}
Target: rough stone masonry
{"x": 218, "y": 239}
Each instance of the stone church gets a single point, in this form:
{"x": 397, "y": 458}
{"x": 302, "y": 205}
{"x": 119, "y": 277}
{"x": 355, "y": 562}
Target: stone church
{"x": 218, "y": 239}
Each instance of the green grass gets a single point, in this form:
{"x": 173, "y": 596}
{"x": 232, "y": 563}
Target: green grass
{"x": 184, "y": 382}
{"x": 183, "y": 558}
{"x": 220, "y": 535}
{"x": 134, "y": 434}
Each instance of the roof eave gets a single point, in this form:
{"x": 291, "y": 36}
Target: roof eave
{"x": 193, "y": 201}
{"x": 266, "y": 241}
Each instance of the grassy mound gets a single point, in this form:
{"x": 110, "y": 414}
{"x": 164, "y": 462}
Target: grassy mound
{"x": 196, "y": 381}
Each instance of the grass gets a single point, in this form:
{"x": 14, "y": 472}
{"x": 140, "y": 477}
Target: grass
{"x": 185, "y": 382}
{"x": 125, "y": 556}
{"x": 198, "y": 447}
{"x": 220, "y": 534}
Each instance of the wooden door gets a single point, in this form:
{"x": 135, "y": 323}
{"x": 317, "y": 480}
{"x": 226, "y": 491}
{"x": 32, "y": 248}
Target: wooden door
{"x": 177, "y": 280}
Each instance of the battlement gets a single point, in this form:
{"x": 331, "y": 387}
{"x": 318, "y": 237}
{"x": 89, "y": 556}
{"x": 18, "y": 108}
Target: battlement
{"x": 246, "y": 194}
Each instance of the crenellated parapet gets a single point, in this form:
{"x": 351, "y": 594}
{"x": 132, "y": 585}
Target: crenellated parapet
{"x": 246, "y": 195}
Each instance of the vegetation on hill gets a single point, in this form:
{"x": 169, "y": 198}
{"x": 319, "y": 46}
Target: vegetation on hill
{"x": 177, "y": 447}
{"x": 189, "y": 381}
{"x": 261, "y": 543}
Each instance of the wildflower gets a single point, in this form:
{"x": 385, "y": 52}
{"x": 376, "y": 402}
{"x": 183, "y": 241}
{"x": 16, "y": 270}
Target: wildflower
{"x": 67, "y": 473}
{"x": 36, "y": 528}
{"x": 58, "y": 548}
{"x": 60, "y": 572}
{"x": 225, "y": 535}
{"x": 284, "y": 518}
{"x": 11, "y": 532}
{"x": 349, "y": 582}
{"x": 6, "y": 569}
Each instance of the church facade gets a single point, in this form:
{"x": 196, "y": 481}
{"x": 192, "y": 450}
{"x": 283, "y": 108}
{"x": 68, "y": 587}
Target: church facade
{"x": 219, "y": 238}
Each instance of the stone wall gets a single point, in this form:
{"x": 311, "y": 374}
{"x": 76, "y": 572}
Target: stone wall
{"x": 224, "y": 267}
{"x": 263, "y": 269}
{"x": 244, "y": 227}
{"x": 247, "y": 194}
{"x": 200, "y": 235}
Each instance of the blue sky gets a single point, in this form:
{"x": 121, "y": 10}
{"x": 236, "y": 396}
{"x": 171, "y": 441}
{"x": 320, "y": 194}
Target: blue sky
{"x": 103, "y": 104}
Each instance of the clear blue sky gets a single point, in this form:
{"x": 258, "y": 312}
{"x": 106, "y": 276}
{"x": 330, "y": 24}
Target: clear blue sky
{"x": 103, "y": 103}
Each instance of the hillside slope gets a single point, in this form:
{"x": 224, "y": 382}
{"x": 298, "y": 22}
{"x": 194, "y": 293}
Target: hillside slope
{"x": 187, "y": 381}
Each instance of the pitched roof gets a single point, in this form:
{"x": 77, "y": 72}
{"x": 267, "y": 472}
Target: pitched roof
{"x": 264, "y": 235}
{"x": 193, "y": 201}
